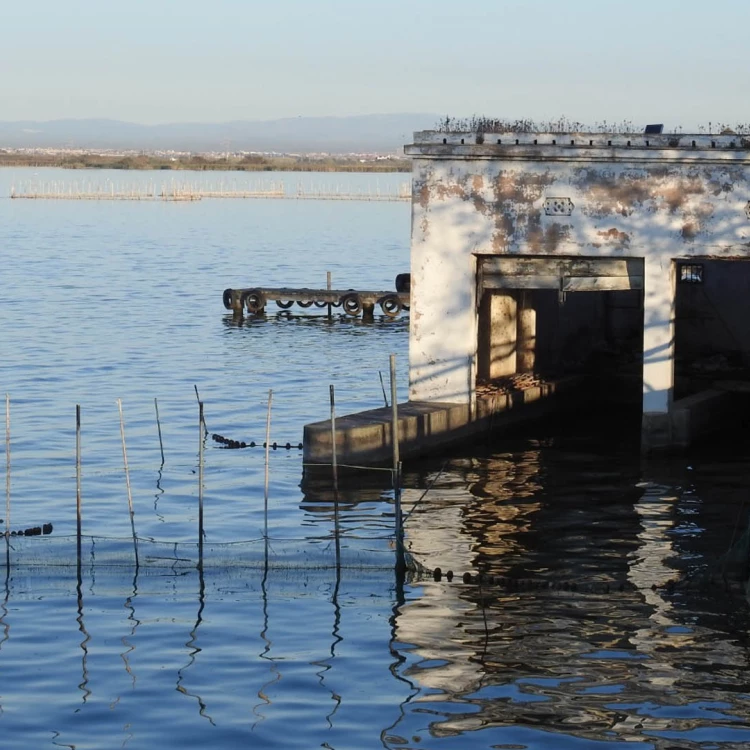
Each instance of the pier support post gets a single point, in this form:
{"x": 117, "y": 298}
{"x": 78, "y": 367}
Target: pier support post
{"x": 658, "y": 354}
{"x": 526, "y": 333}
{"x": 498, "y": 335}
{"x": 368, "y": 311}
{"x": 237, "y": 306}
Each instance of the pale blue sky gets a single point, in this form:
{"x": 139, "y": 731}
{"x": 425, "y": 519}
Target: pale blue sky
{"x": 154, "y": 61}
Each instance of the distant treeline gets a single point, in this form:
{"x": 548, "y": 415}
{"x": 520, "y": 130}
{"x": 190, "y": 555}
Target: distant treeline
{"x": 249, "y": 163}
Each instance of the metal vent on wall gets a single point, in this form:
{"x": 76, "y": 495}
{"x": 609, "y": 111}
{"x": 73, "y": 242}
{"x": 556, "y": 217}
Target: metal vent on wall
{"x": 558, "y": 206}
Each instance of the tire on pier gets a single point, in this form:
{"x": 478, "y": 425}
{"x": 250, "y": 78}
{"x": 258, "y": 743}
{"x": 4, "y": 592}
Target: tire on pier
{"x": 390, "y": 305}
{"x": 320, "y": 303}
{"x": 254, "y": 300}
{"x": 403, "y": 282}
{"x": 227, "y": 298}
{"x": 284, "y": 304}
{"x": 304, "y": 303}
{"x": 352, "y": 304}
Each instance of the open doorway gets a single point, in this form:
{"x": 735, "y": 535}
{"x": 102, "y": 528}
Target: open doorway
{"x": 542, "y": 318}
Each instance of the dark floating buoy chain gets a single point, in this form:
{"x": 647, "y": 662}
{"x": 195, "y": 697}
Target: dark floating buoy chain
{"x": 33, "y": 531}
{"x": 234, "y": 444}
{"x": 531, "y": 584}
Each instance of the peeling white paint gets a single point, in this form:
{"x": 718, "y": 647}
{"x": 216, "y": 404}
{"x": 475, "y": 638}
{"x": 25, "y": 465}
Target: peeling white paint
{"x": 658, "y": 198}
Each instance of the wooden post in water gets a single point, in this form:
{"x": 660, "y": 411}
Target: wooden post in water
{"x": 201, "y": 437}
{"x": 158, "y": 425}
{"x": 78, "y": 485}
{"x": 127, "y": 481}
{"x": 268, "y": 448}
{"x": 328, "y": 287}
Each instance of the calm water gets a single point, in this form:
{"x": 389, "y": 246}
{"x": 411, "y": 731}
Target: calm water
{"x": 574, "y": 639}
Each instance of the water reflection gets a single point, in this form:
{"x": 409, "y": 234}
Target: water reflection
{"x": 575, "y": 630}
{"x": 192, "y": 644}
{"x": 580, "y": 632}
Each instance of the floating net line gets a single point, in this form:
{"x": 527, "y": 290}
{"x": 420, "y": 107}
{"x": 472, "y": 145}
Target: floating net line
{"x": 353, "y": 553}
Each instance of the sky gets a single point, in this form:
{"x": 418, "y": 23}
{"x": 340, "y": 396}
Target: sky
{"x": 680, "y": 62}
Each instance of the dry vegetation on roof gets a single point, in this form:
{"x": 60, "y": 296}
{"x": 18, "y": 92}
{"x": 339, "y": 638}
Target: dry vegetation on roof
{"x": 477, "y": 124}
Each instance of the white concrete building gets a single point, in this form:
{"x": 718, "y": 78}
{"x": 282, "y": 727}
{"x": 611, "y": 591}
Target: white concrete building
{"x": 504, "y": 222}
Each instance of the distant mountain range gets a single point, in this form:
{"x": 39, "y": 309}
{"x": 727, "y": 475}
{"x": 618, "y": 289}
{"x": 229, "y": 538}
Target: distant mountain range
{"x": 356, "y": 134}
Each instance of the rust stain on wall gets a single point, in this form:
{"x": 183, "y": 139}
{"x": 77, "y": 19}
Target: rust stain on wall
{"x": 607, "y": 193}
{"x": 689, "y": 230}
{"x": 675, "y": 193}
{"x": 452, "y": 190}
{"x": 614, "y": 236}
{"x": 520, "y": 187}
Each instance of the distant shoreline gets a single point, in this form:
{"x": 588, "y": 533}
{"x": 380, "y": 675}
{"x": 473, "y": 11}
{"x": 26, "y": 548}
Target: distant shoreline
{"x": 250, "y": 163}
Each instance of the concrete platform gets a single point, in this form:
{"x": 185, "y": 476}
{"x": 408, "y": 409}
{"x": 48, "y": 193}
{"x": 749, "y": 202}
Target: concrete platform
{"x": 364, "y": 439}
{"x": 702, "y": 414}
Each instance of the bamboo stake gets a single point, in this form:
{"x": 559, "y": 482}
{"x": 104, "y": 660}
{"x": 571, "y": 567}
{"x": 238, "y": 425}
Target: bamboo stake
{"x": 203, "y": 419}
{"x": 382, "y": 388}
{"x": 400, "y": 557}
{"x": 201, "y": 428}
{"x": 268, "y": 447}
{"x": 158, "y": 425}
{"x": 333, "y": 441}
{"x": 127, "y": 481}
{"x": 394, "y": 433}
{"x": 7, "y": 465}
{"x": 78, "y": 484}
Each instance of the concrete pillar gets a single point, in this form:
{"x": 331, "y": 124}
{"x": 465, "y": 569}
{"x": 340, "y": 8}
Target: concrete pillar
{"x": 658, "y": 354}
{"x": 526, "y": 333}
{"x": 502, "y": 322}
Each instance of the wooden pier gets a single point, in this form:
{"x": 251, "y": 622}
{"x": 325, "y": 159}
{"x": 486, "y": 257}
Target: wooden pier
{"x": 352, "y": 302}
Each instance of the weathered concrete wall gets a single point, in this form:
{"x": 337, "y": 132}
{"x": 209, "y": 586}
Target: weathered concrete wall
{"x": 653, "y": 197}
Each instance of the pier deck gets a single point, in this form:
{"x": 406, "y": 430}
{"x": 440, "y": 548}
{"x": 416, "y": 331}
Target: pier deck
{"x": 352, "y": 301}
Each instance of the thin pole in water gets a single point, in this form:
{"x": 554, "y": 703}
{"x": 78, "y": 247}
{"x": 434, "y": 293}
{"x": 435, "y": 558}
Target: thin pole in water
{"x": 127, "y": 480}
{"x": 203, "y": 419}
{"x": 333, "y": 440}
{"x": 7, "y": 465}
{"x": 158, "y": 425}
{"x": 328, "y": 287}
{"x": 335, "y": 481}
{"x": 78, "y": 484}
{"x": 268, "y": 447}
{"x": 382, "y": 388}
{"x": 201, "y": 428}
{"x": 400, "y": 561}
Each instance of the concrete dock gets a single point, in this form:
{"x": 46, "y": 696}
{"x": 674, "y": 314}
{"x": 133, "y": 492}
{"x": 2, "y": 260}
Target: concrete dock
{"x": 424, "y": 428}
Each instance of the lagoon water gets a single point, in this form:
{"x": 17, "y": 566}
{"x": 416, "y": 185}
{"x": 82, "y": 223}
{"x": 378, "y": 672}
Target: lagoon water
{"x": 575, "y": 639}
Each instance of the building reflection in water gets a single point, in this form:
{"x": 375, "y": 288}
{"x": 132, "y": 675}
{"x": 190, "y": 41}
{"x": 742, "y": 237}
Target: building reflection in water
{"x": 574, "y": 629}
